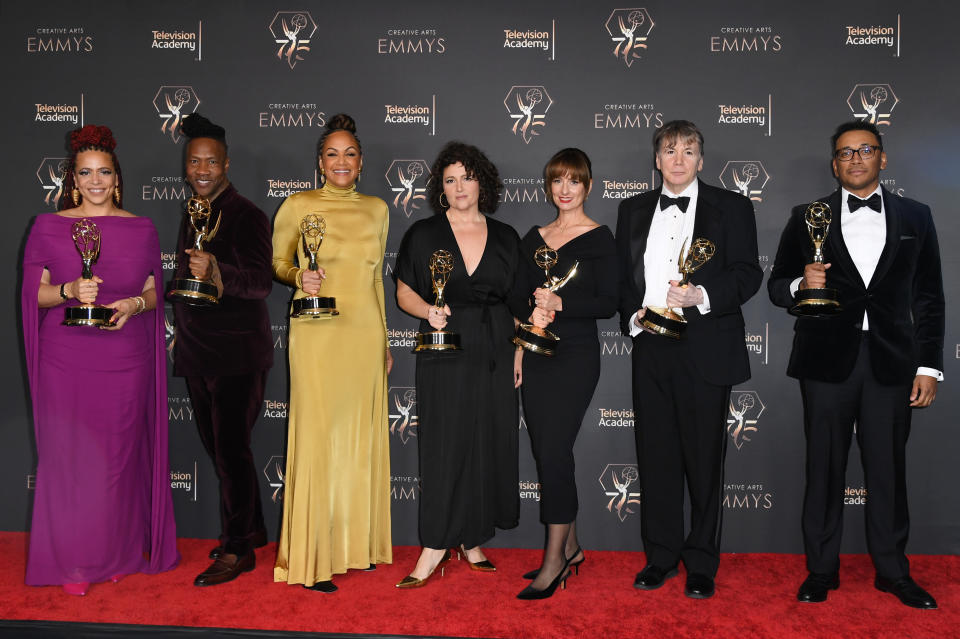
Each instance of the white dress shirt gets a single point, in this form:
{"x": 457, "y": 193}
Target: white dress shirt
{"x": 670, "y": 231}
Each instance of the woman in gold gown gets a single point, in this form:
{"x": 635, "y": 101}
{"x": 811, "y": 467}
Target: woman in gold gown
{"x": 336, "y": 506}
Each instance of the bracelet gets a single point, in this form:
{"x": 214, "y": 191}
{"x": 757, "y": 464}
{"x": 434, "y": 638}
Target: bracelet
{"x": 63, "y": 295}
{"x": 141, "y": 304}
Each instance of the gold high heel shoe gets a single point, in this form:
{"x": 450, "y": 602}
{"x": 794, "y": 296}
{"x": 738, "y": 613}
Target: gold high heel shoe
{"x": 412, "y": 582}
{"x": 481, "y": 566}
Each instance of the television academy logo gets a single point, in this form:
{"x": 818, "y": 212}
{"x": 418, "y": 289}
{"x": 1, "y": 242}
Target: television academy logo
{"x": 50, "y": 173}
{"x": 424, "y": 115}
{"x": 186, "y": 481}
{"x": 292, "y": 30}
{"x": 528, "y": 107}
{"x": 179, "y": 40}
{"x": 403, "y": 418}
{"x": 745, "y": 410}
{"x": 169, "y": 103}
{"x": 616, "y": 481}
{"x": 533, "y": 39}
{"x": 873, "y": 103}
{"x": 274, "y": 472}
{"x": 408, "y": 181}
{"x": 629, "y": 28}
{"x": 748, "y": 177}
{"x": 883, "y": 35}
{"x": 756, "y": 341}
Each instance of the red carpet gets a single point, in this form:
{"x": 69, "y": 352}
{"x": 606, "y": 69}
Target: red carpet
{"x": 755, "y": 598}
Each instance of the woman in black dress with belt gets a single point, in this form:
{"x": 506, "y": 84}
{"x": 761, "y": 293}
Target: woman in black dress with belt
{"x": 557, "y": 390}
{"x": 467, "y": 401}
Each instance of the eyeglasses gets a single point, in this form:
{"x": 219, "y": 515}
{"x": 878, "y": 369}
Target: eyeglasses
{"x": 865, "y": 152}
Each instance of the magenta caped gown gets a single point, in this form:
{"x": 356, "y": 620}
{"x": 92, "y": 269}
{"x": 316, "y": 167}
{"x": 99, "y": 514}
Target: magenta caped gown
{"x": 102, "y": 504}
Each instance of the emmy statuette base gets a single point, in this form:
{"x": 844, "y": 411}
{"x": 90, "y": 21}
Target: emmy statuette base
{"x": 88, "y": 315}
{"x": 193, "y": 292}
{"x": 315, "y": 308}
{"x": 437, "y": 341}
{"x": 816, "y": 302}
{"x": 536, "y": 340}
{"x": 664, "y": 321}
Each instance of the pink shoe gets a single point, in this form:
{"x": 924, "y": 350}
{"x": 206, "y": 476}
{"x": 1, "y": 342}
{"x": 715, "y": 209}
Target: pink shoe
{"x": 79, "y": 589}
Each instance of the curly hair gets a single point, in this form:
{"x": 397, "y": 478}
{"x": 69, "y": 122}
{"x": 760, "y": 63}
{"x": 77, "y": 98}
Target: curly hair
{"x": 477, "y": 165}
{"x": 88, "y": 138}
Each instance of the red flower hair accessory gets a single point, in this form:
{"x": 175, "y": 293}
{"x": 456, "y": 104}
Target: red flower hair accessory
{"x": 99, "y": 137}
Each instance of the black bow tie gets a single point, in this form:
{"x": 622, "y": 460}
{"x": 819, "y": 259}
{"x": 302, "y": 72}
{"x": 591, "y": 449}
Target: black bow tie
{"x": 873, "y": 202}
{"x": 666, "y": 202}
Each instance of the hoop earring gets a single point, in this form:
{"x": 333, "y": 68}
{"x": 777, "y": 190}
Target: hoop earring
{"x": 75, "y": 196}
{"x": 444, "y": 205}
{"x": 116, "y": 194}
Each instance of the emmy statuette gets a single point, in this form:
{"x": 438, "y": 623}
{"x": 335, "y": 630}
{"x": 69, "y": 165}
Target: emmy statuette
{"x": 191, "y": 290}
{"x": 312, "y": 230}
{"x": 533, "y": 338}
{"x": 666, "y": 321}
{"x": 441, "y": 264}
{"x": 86, "y": 237}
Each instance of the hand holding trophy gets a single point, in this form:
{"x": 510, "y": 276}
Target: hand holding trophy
{"x": 817, "y": 302}
{"x": 86, "y": 237}
{"x": 666, "y": 321}
{"x": 441, "y": 265}
{"x": 312, "y": 230}
{"x": 192, "y": 290}
{"x": 533, "y": 338}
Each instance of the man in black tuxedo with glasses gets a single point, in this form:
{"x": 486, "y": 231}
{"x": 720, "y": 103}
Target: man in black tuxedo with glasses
{"x": 869, "y": 364}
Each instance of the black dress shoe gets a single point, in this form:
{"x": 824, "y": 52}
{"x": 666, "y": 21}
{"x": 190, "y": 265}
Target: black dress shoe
{"x": 699, "y": 586}
{"x": 227, "y": 568}
{"x": 815, "y": 587}
{"x": 322, "y": 586}
{"x": 652, "y": 577}
{"x": 907, "y": 591}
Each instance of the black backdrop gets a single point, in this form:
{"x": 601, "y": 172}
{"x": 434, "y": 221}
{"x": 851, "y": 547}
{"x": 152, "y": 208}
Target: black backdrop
{"x": 766, "y": 82}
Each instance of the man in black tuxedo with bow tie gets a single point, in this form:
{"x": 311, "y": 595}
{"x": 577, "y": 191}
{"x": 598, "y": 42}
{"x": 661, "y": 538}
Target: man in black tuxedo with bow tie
{"x": 869, "y": 364}
{"x": 681, "y": 387}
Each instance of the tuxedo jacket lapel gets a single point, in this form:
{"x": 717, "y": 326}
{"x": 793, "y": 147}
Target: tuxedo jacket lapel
{"x": 639, "y": 232}
{"x": 891, "y": 212}
{"x": 836, "y": 243}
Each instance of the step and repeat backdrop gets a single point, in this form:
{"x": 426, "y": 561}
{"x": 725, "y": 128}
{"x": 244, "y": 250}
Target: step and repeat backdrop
{"x": 767, "y": 83}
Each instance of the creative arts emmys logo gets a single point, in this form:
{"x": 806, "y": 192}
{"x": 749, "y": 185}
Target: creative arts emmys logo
{"x": 873, "y": 103}
{"x": 292, "y": 30}
{"x": 745, "y": 411}
{"x": 51, "y": 174}
{"x": 528, "y": 107}
{"x": 408, "y": 181}
{"x": 748, "y": 177}
{"x": 403, "y": 418}
{"x": 616, "y": 480}
{"x": 274, "y": 472}
{"x": 629, "y": 28}
{"x": 169, "y": 103}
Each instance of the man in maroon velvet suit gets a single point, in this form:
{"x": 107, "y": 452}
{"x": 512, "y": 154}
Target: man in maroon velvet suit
{"x": 869, "y": 364}
{"x": 225, "y": 351}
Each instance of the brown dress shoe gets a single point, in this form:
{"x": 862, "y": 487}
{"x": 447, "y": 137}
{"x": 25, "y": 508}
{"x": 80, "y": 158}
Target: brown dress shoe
{"x": 226, "y": 568}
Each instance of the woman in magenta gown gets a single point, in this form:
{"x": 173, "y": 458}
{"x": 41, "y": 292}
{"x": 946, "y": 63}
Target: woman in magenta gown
{"x": 102, "y": 504}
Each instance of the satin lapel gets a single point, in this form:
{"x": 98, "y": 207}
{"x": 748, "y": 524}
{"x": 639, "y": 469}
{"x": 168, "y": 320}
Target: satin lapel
{"x": 835, "y": 242}
{"x": 639, "y": 231}
{"x": 891, "y": 212}
{"x": 705, "y": 221}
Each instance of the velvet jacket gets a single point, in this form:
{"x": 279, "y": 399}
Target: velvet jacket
{"x": 903, "y": 300}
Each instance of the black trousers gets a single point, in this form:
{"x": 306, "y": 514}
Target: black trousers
{"x": 882, "y": 417}
{"x": 226, "y": 408}
{"x": 681, "y": 435}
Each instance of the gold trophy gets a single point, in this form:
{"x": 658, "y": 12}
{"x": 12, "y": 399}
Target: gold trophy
{"x": 312, "y": 229}
{"x": 815, "y": 302}
{"x": 86, "y": 237}
{"x": 533, "y": 338}
{"x": 441, "y": 264}
{"x": 190, "y": 290}
{"x": 666, "y": 321}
